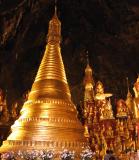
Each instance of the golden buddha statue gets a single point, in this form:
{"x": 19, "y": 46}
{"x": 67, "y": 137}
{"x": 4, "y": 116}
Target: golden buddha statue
{"x": 130, "y": 123}
{"x": 118, "y": 145}
{"x": 129, "y": 101}
{"x": 104, "y": 144}
{"x": 106, "y": 111}
{"x": 136, "y": 99}
{"x": 130, "y": 143}
{"x": 117, "y": 125}
{"x": 127, "y": 134}
{"x": 122, "y": 110}
{"x": 86, "y": 132}
{"x": 111, "y": 146}
{"x": 121, "y": 128}
{"x": 99, "y": 88}
{"x": 89, "y": 119}
{"x": 93, "y": 143}
{"x": 90, "y": 115}
{"x": 97, "y": 150}
{"x": 110, "y": 132}
{"x": 100, "y": 95}
{"x": 93, "y": 140}
{"x": 102, "y": 113}
{"x": 103, "y": 129}
{"x": 85, "y": 112}
{"x": 95, "y": 119}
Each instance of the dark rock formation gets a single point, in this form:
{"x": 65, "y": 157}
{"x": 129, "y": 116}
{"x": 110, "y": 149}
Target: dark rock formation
{"x": 108, "y": 29}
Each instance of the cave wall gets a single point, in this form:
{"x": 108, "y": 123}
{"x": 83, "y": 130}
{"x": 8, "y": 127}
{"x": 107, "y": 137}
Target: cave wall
{"x": 107, "y": 29}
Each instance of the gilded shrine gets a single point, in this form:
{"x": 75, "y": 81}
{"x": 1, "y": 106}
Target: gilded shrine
{"x": 104, "y": 129}
{"x": 48, "y": 118}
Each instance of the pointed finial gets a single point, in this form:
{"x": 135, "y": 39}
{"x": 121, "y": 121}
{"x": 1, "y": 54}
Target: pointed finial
{"x": 87, "y": 57}
{"x": 55, "y": 7}
{"x": 127, "y": 83}
{"x": 138, "y": 77}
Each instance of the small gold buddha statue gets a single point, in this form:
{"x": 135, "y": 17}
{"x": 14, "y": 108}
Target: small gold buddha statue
{"x": 86, "y": 132}
{"x": 89, "y": 119}
{"x": 118, "y": 145}
{"x": 127, "y": 134}
{"x": 136, "y": 88}
{"x": 100, "y": 95}
{"x": 130, "y": 143}
{"x": 121, "y": 128}
{"x": 106, "y": 111}
{"x": 85, "y": 113}
{"x": 109, "y": 132}
{"x": 103, "y": 129}
{"x": 97, "y": 150}
{"x": 129, "y": 100}
{"x": 99, "y": 88}
{"x": 130, "y": 123}
{"x": 95, "y": 119}
{"x": 111, "y": 147}
{"x": 122, "y": 110}
{"x": 104, "y": 143}
{"x": 93, "y": 142}
{"x": 117, "y": 125}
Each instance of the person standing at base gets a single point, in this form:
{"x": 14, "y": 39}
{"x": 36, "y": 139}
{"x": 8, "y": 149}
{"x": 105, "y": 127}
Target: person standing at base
{"x": 107, "y": 156}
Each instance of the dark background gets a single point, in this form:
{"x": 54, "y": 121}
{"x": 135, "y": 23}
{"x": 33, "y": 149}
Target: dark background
{"x": 107, "y": 29}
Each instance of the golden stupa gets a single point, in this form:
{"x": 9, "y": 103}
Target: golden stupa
{"x": 48, "y": 118}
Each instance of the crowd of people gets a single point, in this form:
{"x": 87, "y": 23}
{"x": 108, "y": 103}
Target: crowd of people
{"x": 127, "y": 156}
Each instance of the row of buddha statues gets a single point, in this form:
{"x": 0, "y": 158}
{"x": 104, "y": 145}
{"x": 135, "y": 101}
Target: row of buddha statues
{"x": 106, "y": 126}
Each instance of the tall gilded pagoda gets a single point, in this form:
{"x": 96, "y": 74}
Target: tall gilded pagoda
{"x": 48, "y": 118}
{"x": 105, "y": 129}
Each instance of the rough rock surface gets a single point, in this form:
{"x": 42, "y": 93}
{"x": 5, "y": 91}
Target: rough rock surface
{"x": 107, "y": 29}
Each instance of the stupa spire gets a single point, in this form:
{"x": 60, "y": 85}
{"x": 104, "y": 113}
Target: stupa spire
{"x": 87, "y": 58}
{"x": 128, "y": 91}
{"x": 55, "y": 8}
{"x": 88, "y": 82}
{"x": 48, "y": 118}
{"x": 88, "y": 72}
{"x": 51, "y": 78}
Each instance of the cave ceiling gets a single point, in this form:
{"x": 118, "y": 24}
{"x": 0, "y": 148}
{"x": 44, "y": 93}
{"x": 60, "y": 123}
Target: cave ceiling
{"x": 107, "y": 29}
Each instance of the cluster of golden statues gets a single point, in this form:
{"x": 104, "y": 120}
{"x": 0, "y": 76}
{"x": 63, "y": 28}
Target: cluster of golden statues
{"x": 104, "y": 128}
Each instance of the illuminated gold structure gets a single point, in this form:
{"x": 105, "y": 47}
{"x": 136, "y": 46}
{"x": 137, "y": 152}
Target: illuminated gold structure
{"x": 104, "y": 129}
{"x": 48, "y": 118}
{"x": 136, "y": 99}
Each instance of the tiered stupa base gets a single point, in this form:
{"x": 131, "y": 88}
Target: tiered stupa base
{"x": 54, "y": 146}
